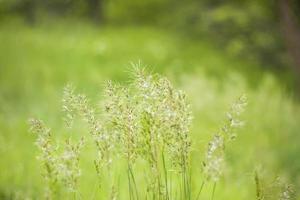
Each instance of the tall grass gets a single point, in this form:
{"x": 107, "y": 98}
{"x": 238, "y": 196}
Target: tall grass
{"x": 143, "y": 125}
{"x": 276, "y": 189}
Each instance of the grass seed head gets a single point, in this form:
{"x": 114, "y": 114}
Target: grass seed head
{"x": 68, "y": 166}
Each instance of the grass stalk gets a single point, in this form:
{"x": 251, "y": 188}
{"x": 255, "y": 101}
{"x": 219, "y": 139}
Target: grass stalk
{"x": 129, "y": 183}
{"x": 213, "y": 191}
{"x": 200, "y": 190}
{"x": 165, "y": 175}
{"x": 134, "y": 183}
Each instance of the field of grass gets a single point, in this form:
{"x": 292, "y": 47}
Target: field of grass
{"x": 37, "y": 62}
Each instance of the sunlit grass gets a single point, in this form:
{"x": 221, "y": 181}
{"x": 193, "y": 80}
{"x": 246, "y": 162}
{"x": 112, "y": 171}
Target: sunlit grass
{"x": 36, "y": 62}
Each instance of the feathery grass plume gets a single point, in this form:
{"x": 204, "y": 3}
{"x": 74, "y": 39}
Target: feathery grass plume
{"x": 47, "y": 155}
{"x": 68, "y": 105}
{"x": 121, "y": 117}
{"x": 214, "y": 158}
{"x": 286, "y": 192}
{"x": 150, "y": 138}
{"x": 232, "y": 121}
{"x": 167, "y": 112}
{"x": 68, "y": 165}
{"x": 166, "y": 118}
{"x": 77, "y": 104}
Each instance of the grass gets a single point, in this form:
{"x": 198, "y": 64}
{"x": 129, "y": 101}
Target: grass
{"x": 37, "y": 62}
{"x": 147, "y": 124}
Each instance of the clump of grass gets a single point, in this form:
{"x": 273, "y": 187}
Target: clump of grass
{"x": 277, "y": 189}
{"x": 57, "y": 166}
{"x": 147, "y": 122}
{"x": 78, "y": 105}
{"x": 47, "y": 157}
{"x": 68, "y": 164}
{"x": 214, "y": 160}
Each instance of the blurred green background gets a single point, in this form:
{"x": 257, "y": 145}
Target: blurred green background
{"x": 214, "y": 50}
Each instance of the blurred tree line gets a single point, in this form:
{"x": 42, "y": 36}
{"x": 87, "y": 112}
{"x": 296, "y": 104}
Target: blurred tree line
{"x": 31, "y": 10}
{"x": 266, "y": 31}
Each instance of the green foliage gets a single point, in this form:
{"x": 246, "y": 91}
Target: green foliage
{"x": 248, "y": 29}
{"x": 36, "y": 62}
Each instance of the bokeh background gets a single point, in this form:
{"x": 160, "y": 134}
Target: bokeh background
{"x": 214, "y": 50}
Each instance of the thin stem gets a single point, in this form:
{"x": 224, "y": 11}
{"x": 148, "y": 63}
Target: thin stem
{"x": 158, "y": 184}
{"x": 171, "y": 186}
{"x": 158, "y": 179}
{"x": 180, "y": 188}
{"x": 213, "y": 192}
{"x": 129, "y": 183}
{"x": 94, "y": 189}
{"x": 184, "y": 183}
{"x": 190, "y": 183}
{"x": 201, "y": 187}
{"x": 258, "y": 186}
{"x": 166, "y": 176}
{"x": 134, "y": 183}
{"x": 79, "y": 194}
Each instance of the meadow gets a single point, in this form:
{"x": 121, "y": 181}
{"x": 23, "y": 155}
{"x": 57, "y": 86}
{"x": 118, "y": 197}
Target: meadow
{"x": 37, "y": 62}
